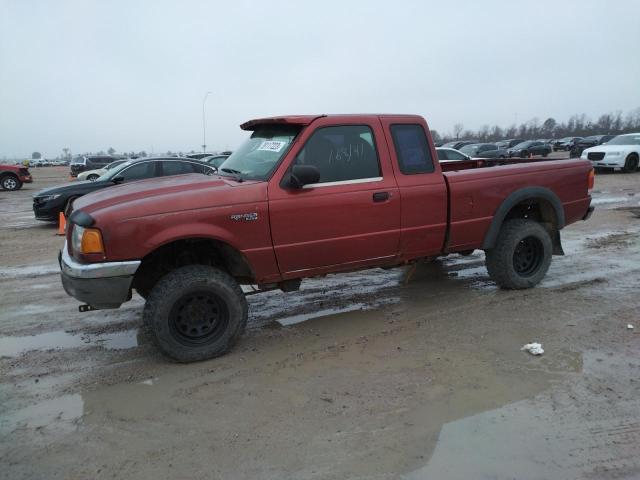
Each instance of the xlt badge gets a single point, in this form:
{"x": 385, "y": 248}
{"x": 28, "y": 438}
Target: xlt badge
{"x": 247, "y": 217}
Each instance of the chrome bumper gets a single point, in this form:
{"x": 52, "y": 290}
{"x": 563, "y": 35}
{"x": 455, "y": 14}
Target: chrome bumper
{"x": 101, "y": 285}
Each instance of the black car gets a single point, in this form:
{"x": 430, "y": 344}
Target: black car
{"x": 484, "y": 150}
{"x": 588, "y": 142}
{"x": 510, "y": 143}
{"x": 90, "y": 162}
{"x": 458, "y": 144}
{"x": 48, "y": 203}
{"x": 530, "y": 147}
{"x": 565, "y": 143}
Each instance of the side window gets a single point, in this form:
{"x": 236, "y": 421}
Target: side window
{"x": 341, "y": 153}
{"x": 206, "y": 169}
{"x": 138, "y": 171}
{"x": 176, "y": 168}
{"x": 456, "y": 156}
{"x": 442, "y": 154}
{"x": 412, "y": 149}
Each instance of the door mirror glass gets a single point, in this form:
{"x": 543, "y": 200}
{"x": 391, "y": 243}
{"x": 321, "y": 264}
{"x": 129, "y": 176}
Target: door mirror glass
{"x": 118, "y": 179}
{"x": 302, "y": 175}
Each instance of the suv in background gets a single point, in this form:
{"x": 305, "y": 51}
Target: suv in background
{"x": 90, "y": 162}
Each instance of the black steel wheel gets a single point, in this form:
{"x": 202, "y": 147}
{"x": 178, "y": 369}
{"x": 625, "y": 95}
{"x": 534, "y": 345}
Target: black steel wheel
{"x": 528, "y": 256}
{"x": 198, "y": 317}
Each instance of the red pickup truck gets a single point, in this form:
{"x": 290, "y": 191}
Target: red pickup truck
{"x": 306, "y": 196}
{"x": 13, "y": 176}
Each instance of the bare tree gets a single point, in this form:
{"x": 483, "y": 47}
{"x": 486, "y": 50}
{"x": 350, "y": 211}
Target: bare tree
{"x": 457, "y": 130}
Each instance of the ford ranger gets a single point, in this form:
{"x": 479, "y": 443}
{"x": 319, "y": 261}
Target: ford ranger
{"x": 306, "y": 196}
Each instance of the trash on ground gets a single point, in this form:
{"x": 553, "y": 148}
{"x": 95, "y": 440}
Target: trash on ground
{"x": 629, "y": 326}
{"x": 533, "y": 348}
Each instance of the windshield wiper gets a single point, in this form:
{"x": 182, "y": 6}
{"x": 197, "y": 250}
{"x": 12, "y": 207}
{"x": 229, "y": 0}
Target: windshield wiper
{"x": 237, "y": 174}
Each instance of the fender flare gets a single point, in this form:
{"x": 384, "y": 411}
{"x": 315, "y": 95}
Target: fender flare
{"x": 527, "y": 193}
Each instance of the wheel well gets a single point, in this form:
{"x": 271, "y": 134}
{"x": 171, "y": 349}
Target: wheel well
{"x": 192, "y": 251}
{"x": 4, "y": 175}
{"x": 543, "y": 212}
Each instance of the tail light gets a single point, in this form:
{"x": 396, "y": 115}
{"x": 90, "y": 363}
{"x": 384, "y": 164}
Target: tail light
{"x": 591, "y": 180}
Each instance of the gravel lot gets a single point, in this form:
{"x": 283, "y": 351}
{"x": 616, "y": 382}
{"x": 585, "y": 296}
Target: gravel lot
{"x": 376, "y": 374}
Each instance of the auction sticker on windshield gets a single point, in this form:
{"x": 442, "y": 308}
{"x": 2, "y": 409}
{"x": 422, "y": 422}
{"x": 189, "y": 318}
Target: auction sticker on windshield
{"x": 272, "y": 145}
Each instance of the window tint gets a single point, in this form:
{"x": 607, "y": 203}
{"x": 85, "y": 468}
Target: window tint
{"x": 341, "y": 153}
{"x": 176, "y": 168}
{"x": 412, "y": 149}
{"x": 456, "y": 155}
{"x": 138, "y": 171}
{"x": 442, "y": 154}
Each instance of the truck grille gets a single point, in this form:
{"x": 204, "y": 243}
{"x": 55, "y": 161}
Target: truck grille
{"x": 595, "y": 155}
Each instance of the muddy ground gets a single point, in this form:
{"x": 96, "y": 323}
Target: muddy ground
{"x": 376, "y": 374}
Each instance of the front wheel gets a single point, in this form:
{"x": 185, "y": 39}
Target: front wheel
{"x": 195, "y": 313}
{"x": 521, "y": 256}
{"x": 11, "y": 182}
{"x": 93, "y": 177}
{"x": 630, "y": 164}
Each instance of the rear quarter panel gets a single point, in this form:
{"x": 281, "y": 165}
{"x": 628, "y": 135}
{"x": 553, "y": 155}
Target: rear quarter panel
{"x": 476, "y": 194}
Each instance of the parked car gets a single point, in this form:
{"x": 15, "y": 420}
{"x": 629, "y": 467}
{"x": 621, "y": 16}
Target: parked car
{"x": 48, "y": 203}
{"x": 215, "y": 160}
{"x": 199, "y": 156}
{"x": 306, "y": 196}
{"x": 565, "y": 144}
{"x": 450, "y": 155}
{"x": 458, "y": 144}
{"x": 484, "y": 150}
{"x": 588, "y": 142}
{"x": 530, "y": 147}
{"x": 89, "y": 162}
{"x": 93, "y": 175}
{"x": 13, "y": 176}
{"x": 622, "y": 152}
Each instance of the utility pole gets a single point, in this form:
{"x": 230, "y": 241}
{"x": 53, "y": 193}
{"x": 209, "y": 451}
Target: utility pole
{"x": 204, "y": 127}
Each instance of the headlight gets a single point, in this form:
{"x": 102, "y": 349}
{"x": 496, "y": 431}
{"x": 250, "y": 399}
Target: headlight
{"x": 614, "y": 154}
{"x": 46, "y": 198}
{"x": 86, "y": 240}
{"x": 583, "y": 156}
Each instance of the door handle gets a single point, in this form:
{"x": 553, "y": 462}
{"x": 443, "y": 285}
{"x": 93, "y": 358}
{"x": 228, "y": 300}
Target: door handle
{"x": 381, "y": 196}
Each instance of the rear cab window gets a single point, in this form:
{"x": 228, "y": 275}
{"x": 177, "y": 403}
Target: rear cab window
{"x": 412, "y": 149}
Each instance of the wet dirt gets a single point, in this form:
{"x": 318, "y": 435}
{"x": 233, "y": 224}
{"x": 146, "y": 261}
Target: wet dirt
{"x": 377, "y": 374}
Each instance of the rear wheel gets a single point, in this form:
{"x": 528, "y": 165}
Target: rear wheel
{"x": 11, "y": 182}
{"x": 630, "y": 164}
{"x": 521, "y": 256}
{"x": 196, "y": 312}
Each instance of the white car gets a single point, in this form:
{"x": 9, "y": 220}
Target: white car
{"x": 94, "y": 174}
{"x": 622, "y": 152}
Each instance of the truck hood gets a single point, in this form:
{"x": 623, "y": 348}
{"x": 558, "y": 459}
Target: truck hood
{"x": 161, "y": 195}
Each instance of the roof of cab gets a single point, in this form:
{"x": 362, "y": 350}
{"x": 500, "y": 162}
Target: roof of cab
{"x": 304, "y": 120}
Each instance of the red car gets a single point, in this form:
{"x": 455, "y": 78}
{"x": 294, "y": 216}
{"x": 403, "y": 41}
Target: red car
{"x": 13, "y": 176}
{"x": 306, "y": 196}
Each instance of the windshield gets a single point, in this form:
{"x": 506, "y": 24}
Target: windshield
{"x": 112, "y": 172}
{"x": 523, "y": 144}
{"x": 631, "y": 139}
{"x": 114, "y": 164}
{"x": 259, "y": 155}
{"x": 470, "y": 149}
{"x": 78, "y": 160}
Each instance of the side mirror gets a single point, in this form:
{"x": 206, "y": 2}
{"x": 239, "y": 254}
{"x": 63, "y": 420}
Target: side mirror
{"x": 302, "y": 175}
{"x": 118, "y": 180}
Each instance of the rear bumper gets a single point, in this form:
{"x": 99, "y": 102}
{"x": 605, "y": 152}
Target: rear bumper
{"x": 101, "y": 285}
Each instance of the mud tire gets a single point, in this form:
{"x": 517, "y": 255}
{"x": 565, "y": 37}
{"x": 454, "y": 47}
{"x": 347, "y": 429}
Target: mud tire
{"x": 521, "y": 256}
{"x": 196, "y": 312}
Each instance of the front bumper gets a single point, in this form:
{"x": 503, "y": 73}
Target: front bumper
{"x": 26, "y": 178}
{"x": 101, "y": 285}
{"x": 48, "y": 211}
{"x": 589, "y": 212}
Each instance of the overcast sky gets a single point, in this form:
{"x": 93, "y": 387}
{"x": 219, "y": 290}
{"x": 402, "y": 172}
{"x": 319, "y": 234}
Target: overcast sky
{"x": 89, "y": 75}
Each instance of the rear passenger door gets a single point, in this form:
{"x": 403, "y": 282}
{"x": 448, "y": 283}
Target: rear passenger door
{"x": 140, "y": 171}
{"x": 351, "y": 217}
{"x": 422, "y": 188}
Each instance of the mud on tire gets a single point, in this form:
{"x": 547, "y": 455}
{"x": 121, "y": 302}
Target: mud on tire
{"x": 195, "y": 312}
{"x": 521, "y": 256}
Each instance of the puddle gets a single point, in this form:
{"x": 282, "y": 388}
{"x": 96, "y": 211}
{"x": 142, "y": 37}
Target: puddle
{"x": 29, "y": 270}
{"x": 15, "y": 346}
{"x": 61, "y": 412}
{"x": 606, "y": 200}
